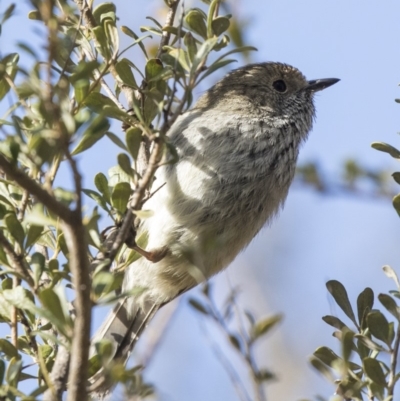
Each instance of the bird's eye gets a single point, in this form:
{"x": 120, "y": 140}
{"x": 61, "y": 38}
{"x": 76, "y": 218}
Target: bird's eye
{"x": 279, "y": 86}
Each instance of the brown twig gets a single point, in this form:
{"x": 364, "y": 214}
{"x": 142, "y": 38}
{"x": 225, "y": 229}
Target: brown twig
{"x": 86, "y": 13}
{"x": 16, "y": 261}
{"x": 14, "y": 317}
{"x": 28, "y": 184}
{"x": 79, "y": 265}
{"x": 28, "y": 330}
{"x": 393, "y": 363}
{"x": 230, "y": 370}
{"x": 23, "y": 205}
{"x": 166, "y": 35}
{"x": 58, "y": 375}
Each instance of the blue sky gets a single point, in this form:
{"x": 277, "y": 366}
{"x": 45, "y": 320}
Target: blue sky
{"x": 316, "y": 238}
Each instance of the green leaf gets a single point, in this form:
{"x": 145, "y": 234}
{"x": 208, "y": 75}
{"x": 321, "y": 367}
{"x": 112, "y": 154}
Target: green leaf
{"x": 84, "y": 70}
{"x": 334, "y": 322}
{"x": 96, "y": 130}
{"x": 117, "y": 175}
{"x": 112, "y": 34}
{"x": 396, "y": 203}
{"x": 38, "y": 265}
{"x": 96, "y": 102}
{"x": 133, "y": 141}
{"x": 101, "y": 182}
{"x": 396, "y": 177}
{"x": 262, "y": 327}
{"x": 370, "y": 343}
{"x": 133, "y": 35}
{"x": 240, "y": 49}
{"x": 143, "y": 214}
{"x": 384, "y": 147}
{"x": 339, "y": 294}
{"x": 37, "y": 216}
{"x": 195, "y": 20}
{"x": 378, "y": 326}
{"x": 52, "y": 303}
{"x": 120, "y": 196}
{"x": 81, "y": 89}
{"x": 202, "y": 54}
{"x": 153, "y": 67}
{"x": 2, "y": 371}
{"x": 264, "y": 375}
{"x": 391, "y": 274}
{"x": 15, "y": 228}
{"x": 45, "y": 350}
{"x": 326, "y": 355}
{"x": 8, "y": 349}
{"x": 199, "y": 306}
{"x": 390, "y": 304}
{"x": 347, "y": 344}
{"x": 116, "y": 140}
{"x": 322, "y": 368}
{"x": 219, "y": 25}
{"x": 34, "y": 15}
{"x": 125, "y": 164}
{"x": 8, "y": 13}
{"x": 125, "y": 73}
{"x": 104, "y": 9}
{"x": 373, "y": 370}
{"x": 155, "y": 90}
{"x": 34, "y": 233}
{"x": 365, "y": 302}
{"x": 7, "y": 65}
{"x": 101, "y": 43}
{"x": 99, "y": 199}
{"x": 103, "y": 283}
{"x": 13, "y": 372}
{"x": 235, "y": 341}
{"x": 214, "y": 67}
{"x": 191, "y": 45}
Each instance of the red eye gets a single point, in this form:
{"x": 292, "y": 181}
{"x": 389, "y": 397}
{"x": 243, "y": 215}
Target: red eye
{"x": 279, "y": 86}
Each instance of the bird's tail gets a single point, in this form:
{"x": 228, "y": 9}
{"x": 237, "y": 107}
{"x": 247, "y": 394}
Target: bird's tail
{"x": 122, "y": 328}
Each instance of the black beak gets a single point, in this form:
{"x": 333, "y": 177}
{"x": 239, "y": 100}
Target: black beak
{"x": 320, "y": 84}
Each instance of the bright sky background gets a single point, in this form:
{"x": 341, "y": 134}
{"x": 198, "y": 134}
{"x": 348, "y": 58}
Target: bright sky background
{"x": 317, "y": 237}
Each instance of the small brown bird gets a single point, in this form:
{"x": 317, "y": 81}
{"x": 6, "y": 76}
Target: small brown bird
{"x": 237, "y": 150}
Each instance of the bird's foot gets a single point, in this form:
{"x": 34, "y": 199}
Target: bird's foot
{"x": 153, "y": 256}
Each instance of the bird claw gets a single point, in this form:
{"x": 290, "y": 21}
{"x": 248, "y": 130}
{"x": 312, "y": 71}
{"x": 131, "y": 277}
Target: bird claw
{"x": 153, "y": 256}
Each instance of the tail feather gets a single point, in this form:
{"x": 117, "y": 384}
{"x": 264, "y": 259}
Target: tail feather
{"x": 122, "y": 328}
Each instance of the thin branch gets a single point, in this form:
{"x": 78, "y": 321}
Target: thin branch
{"x": 23, "y": 205}
{"x": 79, "y": 265}
{"x": 14, "y": 316}
{"x": 137, "y": 197}
{"x": 14, "y": 88}
{"x": 393, "y": 363}
{"x": 166, "y": 35}
{"x": 77, "y": 180}
{"x": 25, "y": 182}
{"x": 58, "y": 376}
{"x": 28, "y": 330}
{"x": 16, "y": 261}
{"x": 230, "y": 370}
{"x": 86, "y": 13}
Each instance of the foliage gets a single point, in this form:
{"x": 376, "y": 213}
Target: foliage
{"x": 61, "y": 107}
{"x": 243, "y": 335}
